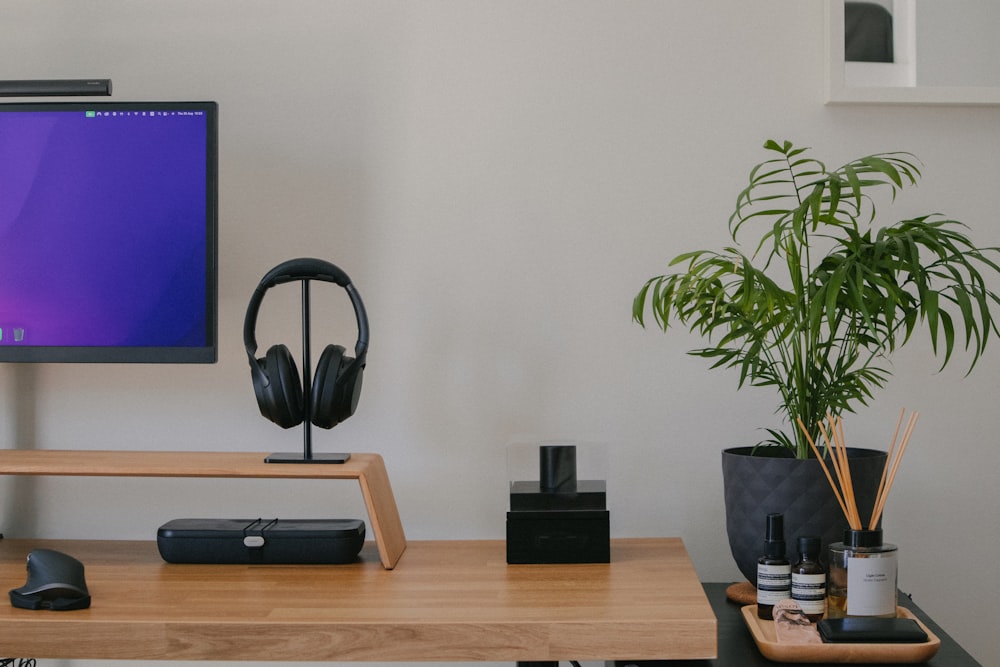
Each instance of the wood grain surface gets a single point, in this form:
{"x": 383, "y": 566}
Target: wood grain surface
{"x": 368, "y": 469}
{"x": 446, "y": 600}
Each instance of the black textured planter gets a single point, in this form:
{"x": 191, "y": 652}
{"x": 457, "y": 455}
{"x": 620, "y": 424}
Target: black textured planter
{"x": 755, "y": 486}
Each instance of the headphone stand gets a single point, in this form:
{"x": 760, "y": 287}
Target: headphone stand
{"x": 307, "y": 455}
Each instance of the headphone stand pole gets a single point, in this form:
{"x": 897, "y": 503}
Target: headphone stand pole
{"x": 307, "y": 455}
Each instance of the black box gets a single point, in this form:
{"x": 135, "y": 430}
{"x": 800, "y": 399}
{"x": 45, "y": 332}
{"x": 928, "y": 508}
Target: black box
{"x": 251, "y": 541}
{"x": 559, "y": 536}
{"x": 558, "y": 519}
{"x": 586, "y": 494}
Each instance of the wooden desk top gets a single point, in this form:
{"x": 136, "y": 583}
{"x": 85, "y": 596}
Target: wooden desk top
{"x": 446, "y": 601}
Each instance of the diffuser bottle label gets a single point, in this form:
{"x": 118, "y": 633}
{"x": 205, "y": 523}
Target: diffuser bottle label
{"x": 871, "y": 585}
{"x": 774, "y": 583}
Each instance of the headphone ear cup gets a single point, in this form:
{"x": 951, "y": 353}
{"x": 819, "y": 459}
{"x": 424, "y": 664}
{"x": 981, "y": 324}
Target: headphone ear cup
{"x": 280, "y": 396}
{"x": 335, "y": 388}
{"x": 324, "y": 408}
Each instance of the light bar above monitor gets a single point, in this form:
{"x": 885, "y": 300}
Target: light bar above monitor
{"x": 55, "y": 87}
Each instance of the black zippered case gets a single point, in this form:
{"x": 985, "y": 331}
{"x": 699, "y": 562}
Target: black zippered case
{"x": 264, "y": 541}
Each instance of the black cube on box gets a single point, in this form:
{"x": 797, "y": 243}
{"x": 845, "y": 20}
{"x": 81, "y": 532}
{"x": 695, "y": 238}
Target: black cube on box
{"x": 558, "y": 519}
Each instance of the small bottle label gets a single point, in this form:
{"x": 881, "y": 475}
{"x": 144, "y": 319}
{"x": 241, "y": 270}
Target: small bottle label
{"x": 809, "y": 590}
{"x": 774, "y": 583}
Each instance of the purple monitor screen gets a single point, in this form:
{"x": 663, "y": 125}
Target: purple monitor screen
{"x": 108, "y": 232}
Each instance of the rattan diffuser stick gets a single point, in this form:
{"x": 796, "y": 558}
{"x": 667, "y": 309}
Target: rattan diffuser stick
{"x": 843, "y": 488}
{"x": 884, "y": 490}
{"x": 819, "y": 457}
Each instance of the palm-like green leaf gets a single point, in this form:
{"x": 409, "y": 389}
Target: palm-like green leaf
{"x": 823, "y": 296}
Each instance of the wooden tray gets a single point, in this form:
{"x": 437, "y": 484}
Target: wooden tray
{"x": 767, "y": 643}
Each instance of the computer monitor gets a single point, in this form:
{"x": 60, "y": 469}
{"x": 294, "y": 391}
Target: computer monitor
{"x": 108, "y": 232}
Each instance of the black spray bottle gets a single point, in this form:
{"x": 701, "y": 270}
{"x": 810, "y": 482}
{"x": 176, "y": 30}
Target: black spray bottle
{"x": 774, "y": 571}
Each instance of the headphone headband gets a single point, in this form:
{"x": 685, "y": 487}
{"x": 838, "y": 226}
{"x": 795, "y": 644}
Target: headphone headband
{"x": 305, "y": 268}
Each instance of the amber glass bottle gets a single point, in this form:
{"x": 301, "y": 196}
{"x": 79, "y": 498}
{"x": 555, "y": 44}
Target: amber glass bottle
{"x": 809, "y": 579}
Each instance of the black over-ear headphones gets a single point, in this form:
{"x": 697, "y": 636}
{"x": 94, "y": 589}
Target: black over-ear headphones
{"x": 336, "y": 386}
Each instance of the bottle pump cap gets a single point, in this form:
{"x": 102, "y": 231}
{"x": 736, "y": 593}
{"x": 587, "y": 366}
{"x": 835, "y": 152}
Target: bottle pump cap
{"x": 774, "y": 536}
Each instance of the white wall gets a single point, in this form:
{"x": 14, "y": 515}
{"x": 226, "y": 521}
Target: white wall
{"x": 499, "y": 178}
{"x": 956, "y": 43}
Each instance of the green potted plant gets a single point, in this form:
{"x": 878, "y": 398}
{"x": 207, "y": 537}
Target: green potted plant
{"x": 811, "y": 299}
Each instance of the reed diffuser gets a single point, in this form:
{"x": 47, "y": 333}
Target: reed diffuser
{"x": 862, "y": 564}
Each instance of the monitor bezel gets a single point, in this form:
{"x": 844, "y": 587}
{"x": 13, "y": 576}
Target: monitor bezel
{"x": 202, "y": 354}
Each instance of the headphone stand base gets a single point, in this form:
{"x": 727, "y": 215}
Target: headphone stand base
{"x": 299, "y": 457}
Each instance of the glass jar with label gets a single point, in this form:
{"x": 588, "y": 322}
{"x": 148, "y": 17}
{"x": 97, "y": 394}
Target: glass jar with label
{"x": 862, "y": 576}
